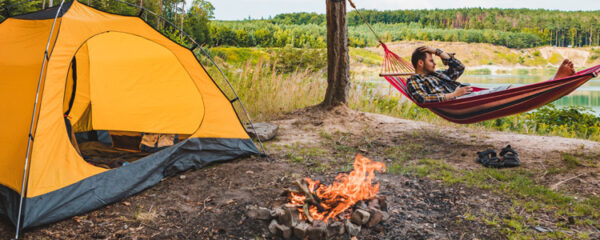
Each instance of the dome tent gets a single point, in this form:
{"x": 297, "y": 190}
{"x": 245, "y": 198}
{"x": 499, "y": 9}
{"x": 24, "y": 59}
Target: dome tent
{"x": 106, "y": 72}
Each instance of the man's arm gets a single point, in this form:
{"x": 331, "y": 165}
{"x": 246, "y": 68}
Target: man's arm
{"x": 417, "y": 91}
{"x": 455, "y": 67}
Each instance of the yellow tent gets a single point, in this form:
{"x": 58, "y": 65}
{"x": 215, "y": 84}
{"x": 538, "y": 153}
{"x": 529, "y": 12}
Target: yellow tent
{"x": 106, "y": 72}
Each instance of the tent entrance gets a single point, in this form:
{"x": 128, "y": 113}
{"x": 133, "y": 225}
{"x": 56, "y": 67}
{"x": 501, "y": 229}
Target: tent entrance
{"x": 132, "y": 88}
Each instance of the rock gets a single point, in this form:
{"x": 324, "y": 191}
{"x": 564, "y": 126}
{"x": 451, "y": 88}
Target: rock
{"x": 361, "y": 205}
{"x": 290, "y": 217}
{"x": 360, "y": 217}
{"x": 318, "y": 231}
{"x": 301, "y": 230}
{"x": 276, "y": 213}
{"x": 351, "y": 228}
{"x": 279, "y": 230}
{"x": 374, "y": 203}
{"x": 336, "y": 228}
{"x": 283, "y": 231}
{"x": 260, "y": 213}
{"x": 265, "y": 131}
{"x": 376, "y": 217}
{"x": 273, "y": 227}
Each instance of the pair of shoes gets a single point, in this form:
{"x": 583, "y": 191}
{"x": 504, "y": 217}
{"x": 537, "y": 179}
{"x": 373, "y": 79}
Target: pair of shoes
{"x": 488, "y": 158}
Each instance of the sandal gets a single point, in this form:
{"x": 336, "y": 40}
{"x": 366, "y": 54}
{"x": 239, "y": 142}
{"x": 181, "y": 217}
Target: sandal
{"x": 510, "y": 157}
{"x": 488, "y": 159}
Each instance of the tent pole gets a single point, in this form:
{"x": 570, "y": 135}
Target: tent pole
{"x": 31, "y": 134}
{"x": 238, "y": 98}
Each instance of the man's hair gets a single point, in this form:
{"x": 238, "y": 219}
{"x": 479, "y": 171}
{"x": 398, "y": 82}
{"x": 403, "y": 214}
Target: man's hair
{"x": 418, "y": 54}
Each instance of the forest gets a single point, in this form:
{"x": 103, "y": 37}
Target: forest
{"x": 513, "y": 28}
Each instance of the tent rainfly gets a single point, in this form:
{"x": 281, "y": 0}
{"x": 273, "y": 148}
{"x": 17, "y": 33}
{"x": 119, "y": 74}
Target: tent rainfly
{"x": 100, "y": 71}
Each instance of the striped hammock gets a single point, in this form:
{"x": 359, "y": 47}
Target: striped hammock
{"x": 487, "y": 106}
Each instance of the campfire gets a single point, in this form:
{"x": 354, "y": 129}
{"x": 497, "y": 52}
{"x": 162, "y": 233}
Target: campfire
{"x": 319, "y": 211}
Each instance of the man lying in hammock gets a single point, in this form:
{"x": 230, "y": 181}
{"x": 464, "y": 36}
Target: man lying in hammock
{"x": 429, "y": 85}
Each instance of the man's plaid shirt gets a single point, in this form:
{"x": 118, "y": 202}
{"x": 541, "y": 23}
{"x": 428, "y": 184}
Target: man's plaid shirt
{"x": 433, "y": 87}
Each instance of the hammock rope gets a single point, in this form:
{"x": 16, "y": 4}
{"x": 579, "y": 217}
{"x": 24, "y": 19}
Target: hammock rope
{"x": 397, "y": 70}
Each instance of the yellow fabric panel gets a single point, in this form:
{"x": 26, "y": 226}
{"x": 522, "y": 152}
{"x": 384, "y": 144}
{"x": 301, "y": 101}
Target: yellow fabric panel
{"x": 82, "y": 96}
{"x": 22, "y": 45}
{"x": 138, "y": 85}
{"x": 56, "y": 154}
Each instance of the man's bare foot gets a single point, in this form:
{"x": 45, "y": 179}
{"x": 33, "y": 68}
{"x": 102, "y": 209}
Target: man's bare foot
{"x": 566, "y": 69}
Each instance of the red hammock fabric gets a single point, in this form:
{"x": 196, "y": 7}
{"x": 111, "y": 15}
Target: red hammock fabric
{"x": 488, "y": 106}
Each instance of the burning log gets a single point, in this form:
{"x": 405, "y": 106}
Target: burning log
{"x": 307, "y": 212}
{"x": 346, "y": 190}
{"x": 309, "y": 196}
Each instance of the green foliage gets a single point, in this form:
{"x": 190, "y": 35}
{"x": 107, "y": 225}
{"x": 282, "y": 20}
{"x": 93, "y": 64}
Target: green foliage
{"x": 290, "y": 59}
{"x": 267, "y": 34}
{"x": 551, "y": 27}
{"x": 595, "y": 54}
{"x": 576, "y": 120}
{"x": 197, "y": 21}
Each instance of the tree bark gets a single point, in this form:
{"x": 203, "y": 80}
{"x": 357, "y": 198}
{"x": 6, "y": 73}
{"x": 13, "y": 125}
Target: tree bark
{"x": 338, "y": 64}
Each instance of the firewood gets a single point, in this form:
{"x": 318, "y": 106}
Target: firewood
{"x": 309, "y": 196}
{"x": 287, "y": 191}
{"x": 307, "y": 213}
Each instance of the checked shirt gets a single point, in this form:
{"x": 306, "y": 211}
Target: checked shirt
{"x": 434, "y": 86}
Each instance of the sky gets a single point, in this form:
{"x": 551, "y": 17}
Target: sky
{"x": 256, "y": 9}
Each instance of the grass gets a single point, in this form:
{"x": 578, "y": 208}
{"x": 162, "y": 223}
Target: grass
{"x": 517, "y": 184}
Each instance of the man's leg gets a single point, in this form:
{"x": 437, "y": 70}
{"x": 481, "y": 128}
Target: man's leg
{"x": 565, "y": 69}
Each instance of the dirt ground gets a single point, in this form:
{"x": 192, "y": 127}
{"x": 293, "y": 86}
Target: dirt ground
{"x": 210, "y": 203}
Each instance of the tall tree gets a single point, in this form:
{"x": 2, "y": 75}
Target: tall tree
{"x": 338, "y": 64}
{"x": 197, "y": 20}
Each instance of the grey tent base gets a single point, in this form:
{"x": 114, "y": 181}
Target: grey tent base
{"x": 114, "y": 185}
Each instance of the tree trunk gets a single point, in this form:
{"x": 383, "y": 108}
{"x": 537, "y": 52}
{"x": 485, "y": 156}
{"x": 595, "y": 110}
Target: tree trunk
{"x": 338, "y": 63}
{"x": 160, "y": 13}
{"x": 182, "y": 13}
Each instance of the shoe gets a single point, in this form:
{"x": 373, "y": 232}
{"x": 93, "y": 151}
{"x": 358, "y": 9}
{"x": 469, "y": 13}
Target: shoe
{"x": 510, "y": 157}
{"x": 488, "y": 158}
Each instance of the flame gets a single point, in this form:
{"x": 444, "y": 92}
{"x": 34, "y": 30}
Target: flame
{"x": 346, "y": 190}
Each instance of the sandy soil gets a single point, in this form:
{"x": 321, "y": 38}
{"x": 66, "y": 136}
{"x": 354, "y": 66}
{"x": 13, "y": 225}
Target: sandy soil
{"x": 210, "y": 203}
